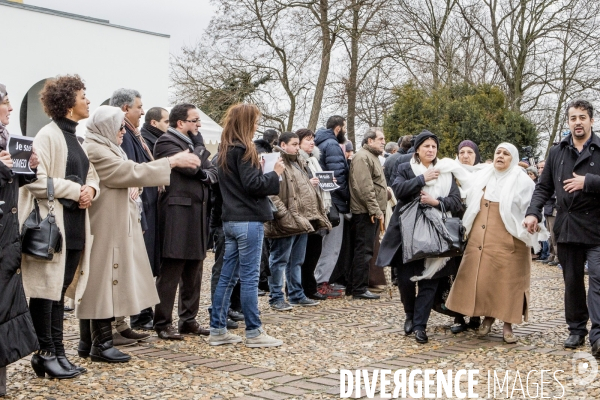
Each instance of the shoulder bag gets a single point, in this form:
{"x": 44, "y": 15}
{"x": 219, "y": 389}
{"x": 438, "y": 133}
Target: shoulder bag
{"x": 41, "y": 238}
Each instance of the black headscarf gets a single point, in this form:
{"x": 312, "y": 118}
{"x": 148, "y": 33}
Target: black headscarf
{"x": 470, "y": 144}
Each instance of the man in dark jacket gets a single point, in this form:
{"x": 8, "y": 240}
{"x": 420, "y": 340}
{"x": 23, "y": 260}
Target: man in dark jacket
{"x": 130, "y": 102}
{"x": 183, "y": 228}
{"x": 269, "y": 139}
{"x": 333, "y": 158}
{"x": 390, "y": 162}
{"x": 156, "y": 123}
{"x": 572, "y": 170}
{"x": 265, "y": 145}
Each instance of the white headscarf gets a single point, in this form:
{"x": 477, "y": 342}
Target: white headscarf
{"x": 512, "y": 188}
{"x": 103, "y": 127}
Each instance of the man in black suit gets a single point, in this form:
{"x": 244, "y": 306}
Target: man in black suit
{"x": 183, "y": 227}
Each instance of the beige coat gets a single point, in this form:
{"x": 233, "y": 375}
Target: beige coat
{"x": 44, "y": 279}
{"x": 494, "y": 275}
{"x": 122, "y": 278}
{"x": 299, "y": 206}
{"x": 368, "y": 188}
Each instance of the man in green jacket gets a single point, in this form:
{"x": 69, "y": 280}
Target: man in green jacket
{"x": 368, "y": 198}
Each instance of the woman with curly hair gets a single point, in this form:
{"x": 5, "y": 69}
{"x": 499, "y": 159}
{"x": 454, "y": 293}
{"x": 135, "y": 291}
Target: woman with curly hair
{"x": 76, "y": 185}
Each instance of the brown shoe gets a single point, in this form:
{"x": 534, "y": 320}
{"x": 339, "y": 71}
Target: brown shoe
{"x": 169, "y": 333}
{"x": 193, "y": 328}
{"x": 131, "y": 334}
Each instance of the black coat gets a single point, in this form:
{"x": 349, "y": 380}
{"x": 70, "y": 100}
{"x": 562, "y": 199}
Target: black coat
{"x": 577, "y": 213}
{"x": 17, "y": 335}
{"x": 245, "y": 188}
{"x": 403, "y": 158}
{"x": 388, "y": 167}
{"x": 183, "y": 207}
{"x": 135, "y": 152}
{"x": 334, "y": 159}
{"x": 262, "y": 146}
{"x": 150, "y": 135}
{"x": 406, "y": 188}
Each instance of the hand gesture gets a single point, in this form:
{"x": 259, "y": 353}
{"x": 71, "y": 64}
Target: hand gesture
{"x": 6, "y": 159}
{"x": 314, "y": 181}
{"x": 86, "y": 194}
{"x": 279, "y": 167}
{"x": 431, "y": 174}
{"x": 33, "y": 160}
{"x": 531, "y": 223}
{"x": 574, "y": 184}
{"x": 184, "y": 159}
{"x": 427, "y": 199}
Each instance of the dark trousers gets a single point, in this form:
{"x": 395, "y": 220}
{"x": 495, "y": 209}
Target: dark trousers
{"x": 47, "y": 315}
{"x": 572, "y": 258}
{"x": 265, "y": 272}
{"x": 363, "y": 251}
{"x": 188, "y": 275}
{"x": 219, "y": 241}
{"x": 418, "y": 307}
{"x": 314, "y": 245}
{"x": 342, "y": 273}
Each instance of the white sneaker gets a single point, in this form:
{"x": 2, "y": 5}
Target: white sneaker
{"x": 263, "y": 340}
{"x": 226, "y": 338}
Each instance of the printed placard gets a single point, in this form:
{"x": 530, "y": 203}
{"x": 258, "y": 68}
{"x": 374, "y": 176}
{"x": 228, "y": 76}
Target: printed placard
{"x": 326, "y": 181}
{"x": 20, "y": 149}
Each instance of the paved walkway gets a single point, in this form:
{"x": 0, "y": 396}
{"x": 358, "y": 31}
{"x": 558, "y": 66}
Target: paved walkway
{"x": 319, "y": 341}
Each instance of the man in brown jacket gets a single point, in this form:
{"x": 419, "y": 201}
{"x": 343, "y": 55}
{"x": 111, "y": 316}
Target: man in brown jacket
{"x": 299, "y": 212}
{"x": 368, "y": 198}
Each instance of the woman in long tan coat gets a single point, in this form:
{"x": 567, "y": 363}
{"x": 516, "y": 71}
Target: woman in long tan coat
{"x": 122, "y": 278}
{"x": 494, "y": 275}
{"x": 62, "y": 158}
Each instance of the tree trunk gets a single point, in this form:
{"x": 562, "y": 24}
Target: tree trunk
{"x": 351, "y": 88}
{"x": 326, "y": 46}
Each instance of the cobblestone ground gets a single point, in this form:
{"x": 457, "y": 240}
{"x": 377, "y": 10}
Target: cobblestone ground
{"x": 319, "y": 341}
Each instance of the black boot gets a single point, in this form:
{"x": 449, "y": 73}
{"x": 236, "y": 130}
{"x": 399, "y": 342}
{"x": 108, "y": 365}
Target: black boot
{"x": 85, "y": 338}
{"x": 45, "y": 362}
{"x": 64, "y": 362}
{"x": 102, "y": 343}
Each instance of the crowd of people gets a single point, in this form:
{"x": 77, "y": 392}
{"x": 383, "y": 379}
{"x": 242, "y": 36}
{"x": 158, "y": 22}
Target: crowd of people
{"x": 138, "y": 209}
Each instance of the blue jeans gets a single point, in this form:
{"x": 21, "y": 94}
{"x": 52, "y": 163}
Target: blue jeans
{"x": 241, "y": 261}
{"x": 287, "y": 254}
{"x": 545, "y": 252}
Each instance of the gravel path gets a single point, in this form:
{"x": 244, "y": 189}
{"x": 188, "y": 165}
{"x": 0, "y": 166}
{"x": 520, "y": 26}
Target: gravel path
{"x": 319, "y": 341}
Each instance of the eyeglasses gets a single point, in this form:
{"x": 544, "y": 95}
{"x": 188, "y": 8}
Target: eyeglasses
{"x": 122, "y": 127}
{"x": 193, "y": 121}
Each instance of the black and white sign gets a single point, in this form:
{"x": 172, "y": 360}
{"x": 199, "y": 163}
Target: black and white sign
{"x": 326, "y": 181}
{"x": 20, "y": 149}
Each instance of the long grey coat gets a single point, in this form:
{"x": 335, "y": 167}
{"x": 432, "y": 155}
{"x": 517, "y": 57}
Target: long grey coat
{"x": 121, "y": 281}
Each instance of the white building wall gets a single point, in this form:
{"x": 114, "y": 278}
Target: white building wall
{"x": 39, "y": 45}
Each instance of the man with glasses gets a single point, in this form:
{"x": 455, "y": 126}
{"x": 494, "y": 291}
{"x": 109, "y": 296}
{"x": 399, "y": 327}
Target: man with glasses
{"x": 183, "y": 226}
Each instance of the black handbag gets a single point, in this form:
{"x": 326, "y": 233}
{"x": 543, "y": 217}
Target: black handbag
{"x": 456, "y": 234}
{"x": 42, "y": 238}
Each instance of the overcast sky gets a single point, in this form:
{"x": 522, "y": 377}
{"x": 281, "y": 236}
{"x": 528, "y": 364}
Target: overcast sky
{"x": 184, "y": 20}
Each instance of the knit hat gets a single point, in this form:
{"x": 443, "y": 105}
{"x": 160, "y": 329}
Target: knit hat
{"x": 2, "y": 92}
{"x": 423, "y": 136}
{"x": 349, "y": 146}
{"x": 471, "y": 145}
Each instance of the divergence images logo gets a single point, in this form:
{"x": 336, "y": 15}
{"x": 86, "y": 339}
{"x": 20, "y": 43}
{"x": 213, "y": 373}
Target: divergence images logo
{"x": 585, "y": 368}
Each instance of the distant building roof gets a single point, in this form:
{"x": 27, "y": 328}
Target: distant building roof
{"x": 74, "y": 16}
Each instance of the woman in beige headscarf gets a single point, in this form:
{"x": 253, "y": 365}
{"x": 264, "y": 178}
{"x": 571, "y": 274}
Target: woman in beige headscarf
{"x": 120, "y": 270}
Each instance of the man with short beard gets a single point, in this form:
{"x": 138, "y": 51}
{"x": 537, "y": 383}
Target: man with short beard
{"x": 368, "y": 198}
{"x": 333, "y": 158}
{"x": 572, "y": 172}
